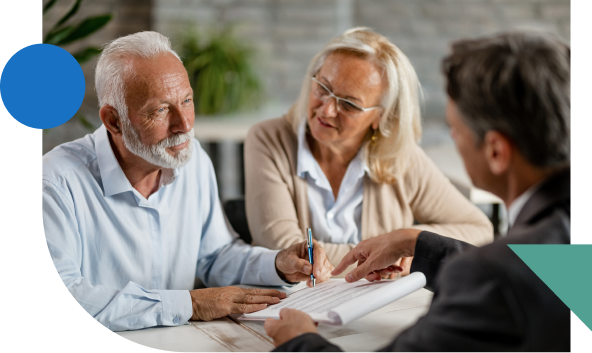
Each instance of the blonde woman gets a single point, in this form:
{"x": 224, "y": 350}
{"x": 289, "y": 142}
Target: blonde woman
{"x": 344, "y": 160}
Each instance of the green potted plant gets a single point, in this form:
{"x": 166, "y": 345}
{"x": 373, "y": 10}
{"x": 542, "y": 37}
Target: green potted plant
{"x": 65, "y": 32}
{"x": 220, "y": 70}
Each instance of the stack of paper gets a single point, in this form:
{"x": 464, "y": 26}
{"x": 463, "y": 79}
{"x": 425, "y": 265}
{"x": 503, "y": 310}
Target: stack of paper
{"x": 336, "y": 302}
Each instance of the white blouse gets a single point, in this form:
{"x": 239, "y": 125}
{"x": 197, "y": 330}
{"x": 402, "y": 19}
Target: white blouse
{"x": 333, "y": 221}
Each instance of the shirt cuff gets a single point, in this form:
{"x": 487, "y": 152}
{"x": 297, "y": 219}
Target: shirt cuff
{"x": 269, "y": 275}
{"x": 176, "y": 307}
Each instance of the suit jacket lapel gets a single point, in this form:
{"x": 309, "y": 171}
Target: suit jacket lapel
{"x": 555, "y": 189}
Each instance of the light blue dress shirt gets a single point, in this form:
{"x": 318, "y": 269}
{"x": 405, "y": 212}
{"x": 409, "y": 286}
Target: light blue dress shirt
{"x": 131, "y": 261}
{"x": 332, "y": 220}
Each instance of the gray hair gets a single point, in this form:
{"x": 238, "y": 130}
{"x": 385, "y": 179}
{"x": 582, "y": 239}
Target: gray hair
{"x": 517, "y": 84}
{"x": 400, "y": 125}
{"x": 112, "y": 65}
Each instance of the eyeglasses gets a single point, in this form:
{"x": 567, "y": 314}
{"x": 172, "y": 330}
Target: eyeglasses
{"x": 348, "y": 108}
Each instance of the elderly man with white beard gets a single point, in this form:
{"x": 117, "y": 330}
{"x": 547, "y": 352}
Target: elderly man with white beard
{"x": 131, "y": 212}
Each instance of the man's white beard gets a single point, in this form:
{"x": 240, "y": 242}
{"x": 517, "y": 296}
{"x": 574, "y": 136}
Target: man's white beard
{"x": 157, "y": 154}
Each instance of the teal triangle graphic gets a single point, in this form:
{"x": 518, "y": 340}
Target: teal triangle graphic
{"x": 566, "y": 270}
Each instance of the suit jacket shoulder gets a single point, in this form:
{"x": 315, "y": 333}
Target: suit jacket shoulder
{"x": 489, "y": 299}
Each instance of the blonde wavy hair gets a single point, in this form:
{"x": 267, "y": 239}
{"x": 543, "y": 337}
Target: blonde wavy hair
{"x": 400, "y": 125}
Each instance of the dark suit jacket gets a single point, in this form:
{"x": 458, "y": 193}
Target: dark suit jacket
{"x": 487, "y": 299}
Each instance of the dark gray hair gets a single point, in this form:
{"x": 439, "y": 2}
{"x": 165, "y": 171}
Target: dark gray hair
{"x": 519, "y": 85}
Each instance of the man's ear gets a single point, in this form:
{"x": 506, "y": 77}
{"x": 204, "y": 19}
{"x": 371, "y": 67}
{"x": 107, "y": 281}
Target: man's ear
{"x": 110, "y": 118}
{"x": 498, "y": 152}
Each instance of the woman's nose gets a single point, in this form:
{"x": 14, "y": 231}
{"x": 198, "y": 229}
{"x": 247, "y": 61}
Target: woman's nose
{"x": 329, "y": 107}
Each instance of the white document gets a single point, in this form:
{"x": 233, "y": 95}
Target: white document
{"x": 337, "y": 302}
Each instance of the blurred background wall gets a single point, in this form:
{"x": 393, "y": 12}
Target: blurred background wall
{"x": 287, "y": 33}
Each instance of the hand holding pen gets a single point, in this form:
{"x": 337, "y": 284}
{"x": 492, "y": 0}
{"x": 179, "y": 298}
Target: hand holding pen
{"x": 293, "y": 264}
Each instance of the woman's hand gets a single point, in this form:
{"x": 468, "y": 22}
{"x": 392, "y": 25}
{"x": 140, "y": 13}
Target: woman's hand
{"x": 377, "y": 256}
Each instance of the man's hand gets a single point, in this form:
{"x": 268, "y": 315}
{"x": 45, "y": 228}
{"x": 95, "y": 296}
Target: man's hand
{"x": 377, "y": 257}
{"x": 292, "y": 323}
{"x": 212, "y": 303}
{"x": 405, "y": 264}
{"x": 293, "y": 263}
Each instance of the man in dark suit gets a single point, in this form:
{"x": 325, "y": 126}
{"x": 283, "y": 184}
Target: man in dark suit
{"x": 508, "y": 112}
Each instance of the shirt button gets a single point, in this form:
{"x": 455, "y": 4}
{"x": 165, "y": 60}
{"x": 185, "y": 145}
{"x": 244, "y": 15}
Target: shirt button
{"x": 176, "y": 320}
{"x": 330, "y": 215}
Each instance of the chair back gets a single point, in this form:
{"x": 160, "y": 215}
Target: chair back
{"x": 237, "y": 216}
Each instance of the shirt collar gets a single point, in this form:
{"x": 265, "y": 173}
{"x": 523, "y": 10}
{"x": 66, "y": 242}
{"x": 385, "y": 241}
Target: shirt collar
{"x": 516, "y": 206}
{"x": 112, "y": 176}
{"x": 308, "y": 164}
{"x": 114, "y": 180}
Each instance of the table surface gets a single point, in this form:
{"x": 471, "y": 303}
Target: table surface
{"x": 227, "y": 334}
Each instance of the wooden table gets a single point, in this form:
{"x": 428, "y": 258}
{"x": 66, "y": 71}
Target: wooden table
{"x": 227, "y": 334}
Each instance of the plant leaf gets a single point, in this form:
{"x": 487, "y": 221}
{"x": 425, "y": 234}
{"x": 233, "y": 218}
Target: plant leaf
{"x": 49, "y": 5}
{"x": 220, "y": 71}
{"x": 86, "y": 54}
{"x": 86, "y": 27}
{"x": 70, "y": 13}
{"x": 55, "y": 36}
{"x": 87, "y": 124}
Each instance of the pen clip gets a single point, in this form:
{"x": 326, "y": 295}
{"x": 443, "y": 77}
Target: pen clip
{"x": 309, "y": 237}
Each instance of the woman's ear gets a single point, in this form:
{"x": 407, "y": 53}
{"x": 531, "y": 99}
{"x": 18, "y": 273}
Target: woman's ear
{"x": 110, "y": 118}
{"x": 376, "y": 122}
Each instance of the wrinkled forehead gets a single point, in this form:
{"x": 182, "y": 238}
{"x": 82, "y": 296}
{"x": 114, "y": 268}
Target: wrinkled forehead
{"x": 353, "y": 75}
{"x": 145, "y": 78}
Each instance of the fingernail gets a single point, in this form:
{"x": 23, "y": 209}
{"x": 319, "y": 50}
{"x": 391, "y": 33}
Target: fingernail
{"x": 349, "y": 278}
{"x": 263, "y": 306}
{"x": 307, "y": 268}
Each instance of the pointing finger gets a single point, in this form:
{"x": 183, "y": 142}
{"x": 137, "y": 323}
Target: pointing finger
{"x": 347, "y": 260}
{"x": 359, "y": 272}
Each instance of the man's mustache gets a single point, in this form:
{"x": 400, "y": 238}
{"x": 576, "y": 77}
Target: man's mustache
{"x": 176, "y": 139}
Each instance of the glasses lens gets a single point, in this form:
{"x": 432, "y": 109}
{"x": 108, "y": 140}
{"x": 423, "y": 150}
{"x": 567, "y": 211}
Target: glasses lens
{"x": 321, "y": 92}
{"x": 343, "y": 105}
{"x": 348, "y": 108}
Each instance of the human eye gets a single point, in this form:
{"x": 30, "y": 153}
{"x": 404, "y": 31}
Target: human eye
{"x": 188, "y": 100}
{"x": 348, "y": 106}
{"x": 157, "y": 113}
{"x": 322, "y": 91}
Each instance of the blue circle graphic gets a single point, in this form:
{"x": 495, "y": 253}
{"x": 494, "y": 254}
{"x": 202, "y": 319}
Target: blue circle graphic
{"x": 42, "y": 86}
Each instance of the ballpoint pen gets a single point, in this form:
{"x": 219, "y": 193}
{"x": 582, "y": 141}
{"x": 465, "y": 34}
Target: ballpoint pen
{"x": 309, "y": 231}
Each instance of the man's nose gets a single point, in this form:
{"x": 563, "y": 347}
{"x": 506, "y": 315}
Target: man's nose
{"x": 181, "y": 122}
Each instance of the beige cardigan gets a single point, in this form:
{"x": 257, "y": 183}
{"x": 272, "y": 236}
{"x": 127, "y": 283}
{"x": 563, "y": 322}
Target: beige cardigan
{"x": 277, "y": 198}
